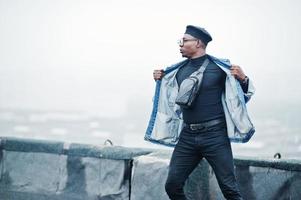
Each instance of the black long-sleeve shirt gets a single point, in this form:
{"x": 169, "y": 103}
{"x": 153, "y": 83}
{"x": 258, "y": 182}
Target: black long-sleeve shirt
{"x": 207, "y": 105}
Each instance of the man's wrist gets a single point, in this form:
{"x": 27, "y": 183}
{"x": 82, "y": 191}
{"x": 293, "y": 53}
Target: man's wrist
{"x": 245, "y": 80}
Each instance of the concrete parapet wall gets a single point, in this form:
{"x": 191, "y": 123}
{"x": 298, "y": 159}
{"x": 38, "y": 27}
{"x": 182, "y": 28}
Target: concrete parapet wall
{"x": 37, "y": 170}
{"x": 33, "y": 169}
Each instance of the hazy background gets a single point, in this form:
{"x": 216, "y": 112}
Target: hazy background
{"x": 81, "y": 70}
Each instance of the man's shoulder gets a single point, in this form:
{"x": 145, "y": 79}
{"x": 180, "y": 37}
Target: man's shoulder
{"x": 213, "y": 58}
{"x": 220, "y": 61}
{"x": 175, "y": 65}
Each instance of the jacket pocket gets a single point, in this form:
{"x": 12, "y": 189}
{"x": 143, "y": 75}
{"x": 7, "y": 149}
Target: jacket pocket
{"x": 166, "y": 128}
{"x": 172, "y": 93}
{"x": 239, "y": 115}
{"x": 236, "y": 107}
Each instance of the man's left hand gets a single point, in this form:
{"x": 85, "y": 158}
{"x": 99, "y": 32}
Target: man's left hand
{"x": 237, "y": 72}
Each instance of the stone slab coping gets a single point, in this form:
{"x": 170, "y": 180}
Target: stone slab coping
{"x": 74, "y": 149}
{"x": 283, "y": 164}
{"x": 125, "y": 153}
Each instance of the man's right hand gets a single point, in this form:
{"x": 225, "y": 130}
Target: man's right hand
{"x": 158, "y": 74}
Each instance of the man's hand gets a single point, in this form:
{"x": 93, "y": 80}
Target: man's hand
{"x": 158, "y": 74}
{"x": 237, "y": 72}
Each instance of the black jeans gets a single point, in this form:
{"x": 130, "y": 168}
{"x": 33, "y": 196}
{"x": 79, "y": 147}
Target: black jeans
{"x": 212, "y": 144}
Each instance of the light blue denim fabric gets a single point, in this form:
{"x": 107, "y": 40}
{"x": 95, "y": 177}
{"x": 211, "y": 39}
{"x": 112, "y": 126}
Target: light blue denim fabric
{"x": 166, "y": 121}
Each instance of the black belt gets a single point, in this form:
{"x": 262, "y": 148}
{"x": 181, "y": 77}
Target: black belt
{"x": 205, "y": 125}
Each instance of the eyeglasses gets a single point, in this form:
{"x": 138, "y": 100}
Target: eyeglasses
{"x": 182, "y": 41}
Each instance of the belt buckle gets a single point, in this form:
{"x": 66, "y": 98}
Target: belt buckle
{"x": 195, "y": 127}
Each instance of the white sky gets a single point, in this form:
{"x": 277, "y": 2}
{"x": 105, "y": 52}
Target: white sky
{"x": 98, "y": 55}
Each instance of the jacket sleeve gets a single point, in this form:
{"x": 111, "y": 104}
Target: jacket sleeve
{"x": 244, "y": 86}
{"x": 248, "y": 89}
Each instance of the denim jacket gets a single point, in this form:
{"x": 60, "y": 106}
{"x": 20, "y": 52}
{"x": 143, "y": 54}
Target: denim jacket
{"x": 166, "y": 121}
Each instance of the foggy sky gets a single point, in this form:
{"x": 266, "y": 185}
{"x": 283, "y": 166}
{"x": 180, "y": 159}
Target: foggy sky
{"x": 99, "y": 55}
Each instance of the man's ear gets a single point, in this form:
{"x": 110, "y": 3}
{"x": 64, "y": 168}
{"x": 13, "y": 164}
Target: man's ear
{"x": 200, "y": 44}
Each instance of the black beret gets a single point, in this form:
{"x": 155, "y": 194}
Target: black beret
{"x": 199, "y": 33}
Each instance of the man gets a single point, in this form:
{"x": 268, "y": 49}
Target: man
{"x": 204, "y": 130}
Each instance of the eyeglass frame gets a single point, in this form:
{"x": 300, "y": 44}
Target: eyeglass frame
{"x": 182, "y": 41}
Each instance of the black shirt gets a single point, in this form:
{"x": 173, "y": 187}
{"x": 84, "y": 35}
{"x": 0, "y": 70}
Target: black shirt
{"x": 207, "y": 105}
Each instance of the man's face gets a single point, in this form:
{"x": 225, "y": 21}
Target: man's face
{"x": 188, "y": 46}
